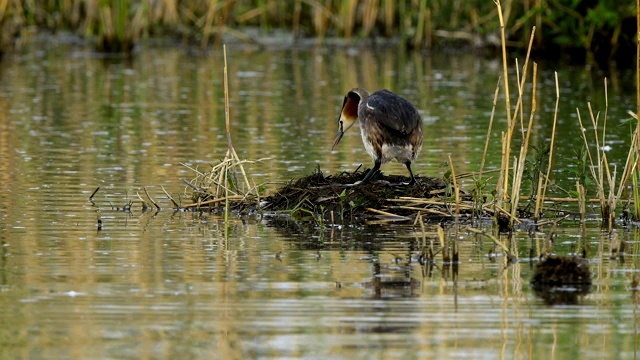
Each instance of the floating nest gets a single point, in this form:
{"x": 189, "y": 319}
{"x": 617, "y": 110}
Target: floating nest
{"x": 342, "y": 196}
{"x": 561, "y": 279}
{"x": 337, "y": 198}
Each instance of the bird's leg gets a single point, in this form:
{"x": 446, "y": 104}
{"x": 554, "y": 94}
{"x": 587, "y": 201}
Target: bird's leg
{"x": 376, "y": 167}
{"x": 413, "y": 179}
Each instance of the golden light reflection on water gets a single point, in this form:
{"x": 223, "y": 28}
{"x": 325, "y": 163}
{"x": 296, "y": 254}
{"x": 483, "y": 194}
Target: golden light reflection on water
{"x": 165, "y": 284}
{"x": 165, "y": 280}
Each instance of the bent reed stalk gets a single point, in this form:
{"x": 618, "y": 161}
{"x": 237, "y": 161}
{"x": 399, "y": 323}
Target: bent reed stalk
{"x": 221, "y": 183}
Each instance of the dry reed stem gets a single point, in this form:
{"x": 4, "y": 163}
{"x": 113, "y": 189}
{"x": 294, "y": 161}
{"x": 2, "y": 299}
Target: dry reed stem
{"x": 630, "y": 165}
{"x": 231, "y": 159}
{"x": 519, "y": 114}
{"x": 425, "y": 253}
{"x": 553, "y": 138}
{"x": 144, "y": 203}
{"x": 499, "y": 198}
{"x": 207, "y": 27}
{"x": 600, "y": 174}
{"x": 486, "y": 143}
{"x": 511, "y": 120}
{"x": 369, "y": 17}
{"x": 231, "y": 152}
{"x": 517, "y": 180}
{"x": 388, "y": 214}
{"x": 538, "y": 197}
{"x": 214, "y": 201}
{"x": 637, "y": 132}
{"x": 421, "y": 25}
{"x": 473, "y": 174}
{"x": 611, "y": 200}
{"x": 226, "y": 98}
{"x": 583, "y": 131}
{"x": 502, "y": 188}
{"x": 563, "y": 200}
{"x": 595, "y": 176}
{"x": 492, "y": 208}
{"x": 495, "y": 240}
{"x": 601, "y": 170}
{"x": 455, "y": 186}
{"x": 295, "y": 26}
{"x": 521, "y": 82}
{"x": 421, "y": 210}
{"x": 547, "y": 248}
{"x": 445, "y": 249}
{"x": 582, "y": 204}
{"x": 423, "y": 230}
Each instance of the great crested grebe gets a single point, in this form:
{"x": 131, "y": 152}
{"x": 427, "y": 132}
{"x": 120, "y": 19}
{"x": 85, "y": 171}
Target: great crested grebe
{"x": 390, "y": 126}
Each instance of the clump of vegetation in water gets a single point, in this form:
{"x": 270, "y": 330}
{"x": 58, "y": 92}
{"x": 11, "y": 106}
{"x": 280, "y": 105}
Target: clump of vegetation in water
{"x": 561, "y": 279}
{"x": 562, "y": 270}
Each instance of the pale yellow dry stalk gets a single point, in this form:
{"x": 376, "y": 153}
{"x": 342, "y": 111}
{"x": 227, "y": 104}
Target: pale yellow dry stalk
{"x": 520, "y": 163}
{"x": 455, "y": 187}
{"x": 541, "y": 196}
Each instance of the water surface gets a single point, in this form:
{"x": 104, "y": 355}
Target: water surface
{"x": 165, "y": 284}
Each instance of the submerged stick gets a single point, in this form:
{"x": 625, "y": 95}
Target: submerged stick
{"x": 170, "y": 197}
{"x": 189, "y": 184}
{"x": 93, "y": 194}
{"x": 150, "y": 199}
{"x": 144, "y": 203}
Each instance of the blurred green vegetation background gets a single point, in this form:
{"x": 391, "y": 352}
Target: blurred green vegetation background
{"x": 600, "y": 28}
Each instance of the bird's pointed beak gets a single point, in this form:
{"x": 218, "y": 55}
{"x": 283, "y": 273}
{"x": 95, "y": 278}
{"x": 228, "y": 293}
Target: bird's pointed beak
{"x": 337, "y": 140}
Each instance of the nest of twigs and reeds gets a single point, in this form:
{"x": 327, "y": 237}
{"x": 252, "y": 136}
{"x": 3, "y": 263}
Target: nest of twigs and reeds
{"x": 342, "y": 196}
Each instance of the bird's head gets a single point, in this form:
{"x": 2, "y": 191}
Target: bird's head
{"x": 349, "y": 113}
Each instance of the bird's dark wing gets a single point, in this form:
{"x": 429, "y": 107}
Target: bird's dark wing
{"x": 391, "y": 111}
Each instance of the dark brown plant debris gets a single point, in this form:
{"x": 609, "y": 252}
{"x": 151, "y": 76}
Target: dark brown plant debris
{"x": 561, "y": 279}
{"x": 344, "y": 196}
{"x": 562, "y": 270}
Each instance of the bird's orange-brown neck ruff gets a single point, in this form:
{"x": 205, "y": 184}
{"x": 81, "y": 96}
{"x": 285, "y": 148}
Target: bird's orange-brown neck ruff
{"x": 350, "y": 108}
